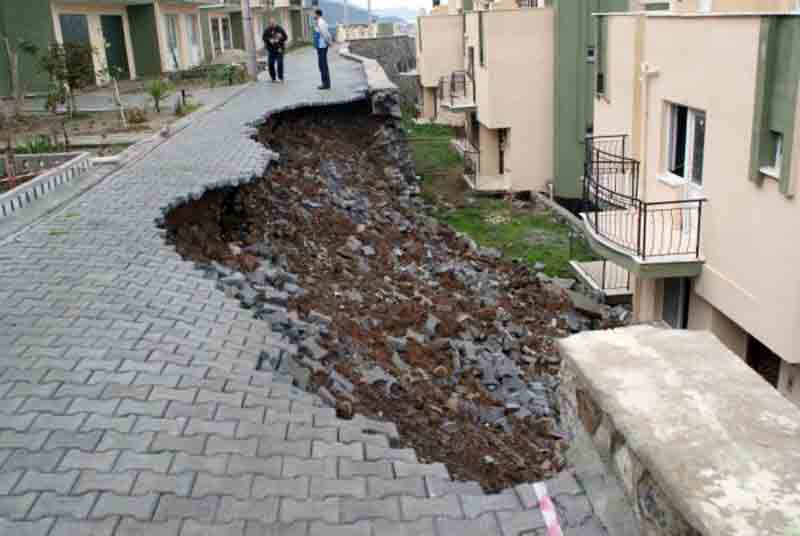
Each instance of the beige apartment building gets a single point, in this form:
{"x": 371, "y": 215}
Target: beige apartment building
{"x": 515, "y": 76}
{"x": 691, "y": 177}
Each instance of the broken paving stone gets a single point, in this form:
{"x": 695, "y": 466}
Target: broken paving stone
{"x": 341, "y": 383}
{"x": 399, "y": 344}
{"x": 353, "y": 244}
{"x": 313, "y": 349}
{"x": 431, "y": 324}
{"x": 418, "y": 337}
{"x": 586, "y": 305}
{"x": 398, "y": 362}
{"x": 319, "y": 318}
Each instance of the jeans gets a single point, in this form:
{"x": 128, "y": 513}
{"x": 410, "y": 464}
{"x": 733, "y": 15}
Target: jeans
{"x": 275, "y": 61}
{"x": 322, "y": 55}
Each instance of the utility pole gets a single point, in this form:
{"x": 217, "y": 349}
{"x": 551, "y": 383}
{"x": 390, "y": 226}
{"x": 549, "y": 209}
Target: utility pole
{"x": 249, "y": 41}
{"x": 369, "y": 15}
{"x": 346, "y": 21}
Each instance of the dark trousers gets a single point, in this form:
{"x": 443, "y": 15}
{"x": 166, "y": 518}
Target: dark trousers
{"x": 275, "y": 62}
{"x": 322, "y": 55}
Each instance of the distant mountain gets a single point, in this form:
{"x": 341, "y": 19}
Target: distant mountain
{"x": 408, "y": 15}
{"x": 334, "y": 13}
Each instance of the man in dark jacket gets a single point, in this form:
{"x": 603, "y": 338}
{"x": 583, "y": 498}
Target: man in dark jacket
{"x": 275, "y": 42}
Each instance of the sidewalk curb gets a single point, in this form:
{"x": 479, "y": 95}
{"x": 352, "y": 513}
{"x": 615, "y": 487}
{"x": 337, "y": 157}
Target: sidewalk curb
{"x": 129, "y": 156}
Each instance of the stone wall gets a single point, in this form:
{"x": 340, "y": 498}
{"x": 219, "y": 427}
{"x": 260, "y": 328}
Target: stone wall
{"x": 395, "y": 54}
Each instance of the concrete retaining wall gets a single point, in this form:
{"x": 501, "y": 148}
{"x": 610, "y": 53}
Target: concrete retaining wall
{"x": 396, "y": 54}
{"x": 700, "y": 443}
{"x": 62, "y": 168}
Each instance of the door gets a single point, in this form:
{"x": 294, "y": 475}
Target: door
{"x": 297, "y": 25}
{"x": 173, "y": 49}
{"x": 216, "y": 35}
{"x": 195, "y": 44}
{"x": 675, "y": 305}
{"x": 763, "y": 361}
{"x": 75, "y": 30}
{"x": 116, "y": 51}
{"x": 227, "y": 36}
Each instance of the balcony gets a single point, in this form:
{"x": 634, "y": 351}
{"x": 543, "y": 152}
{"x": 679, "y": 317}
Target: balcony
{"x": 649, "y": 239}
{"x": 457, "y": 92}
{"x": 605, "y": 278}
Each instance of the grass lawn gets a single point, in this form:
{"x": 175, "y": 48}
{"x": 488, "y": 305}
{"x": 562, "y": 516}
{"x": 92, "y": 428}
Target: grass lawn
{"x": 530, "y": 234}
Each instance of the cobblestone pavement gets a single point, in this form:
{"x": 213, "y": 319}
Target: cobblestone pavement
{"x": 130, "y": 400}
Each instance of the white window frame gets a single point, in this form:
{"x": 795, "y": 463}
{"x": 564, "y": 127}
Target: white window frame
{"x": 219, "y": 19}
{"x": 173, "y": 56}
{"x": 671, "y": 142}
{"x": 194, "y": 29}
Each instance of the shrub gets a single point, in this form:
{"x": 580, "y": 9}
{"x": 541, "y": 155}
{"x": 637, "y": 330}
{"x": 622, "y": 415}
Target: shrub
{"x": 158, "y": 91}
{"x": 136, "y": 116}
{"x": 38, "y": 145}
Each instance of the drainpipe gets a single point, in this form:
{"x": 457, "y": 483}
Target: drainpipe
{"x": 647, "y": 73}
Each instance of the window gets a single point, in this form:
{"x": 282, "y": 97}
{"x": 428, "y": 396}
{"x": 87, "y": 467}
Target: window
{"x": 774, "y": 162}
{"x": 686, "y": 143}
{"x": 481, "y": 51}
{"x": 173, "y": 52}
{"x": 596, "y": 55}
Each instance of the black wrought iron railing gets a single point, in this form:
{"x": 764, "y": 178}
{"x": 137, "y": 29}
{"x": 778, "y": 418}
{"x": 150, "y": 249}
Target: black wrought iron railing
{"x": 615, "y": 212}
{"x": 472, "y": 162}
{"x": 457, "y": 89}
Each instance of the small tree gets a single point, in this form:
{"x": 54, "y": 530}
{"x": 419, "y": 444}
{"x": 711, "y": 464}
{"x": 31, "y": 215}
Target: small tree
{"x": 158, "y": 90}
{"x": 71, "y": 68}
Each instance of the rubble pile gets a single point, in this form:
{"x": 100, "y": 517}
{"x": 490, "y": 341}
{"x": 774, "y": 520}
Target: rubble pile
{"x": 382, "y": 310}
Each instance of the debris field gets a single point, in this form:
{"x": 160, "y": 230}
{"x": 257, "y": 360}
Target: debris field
{"x": 380, "y": 309}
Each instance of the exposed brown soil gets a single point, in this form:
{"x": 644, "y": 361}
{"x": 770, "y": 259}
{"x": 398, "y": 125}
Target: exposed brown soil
{"x": 293, "y": 210}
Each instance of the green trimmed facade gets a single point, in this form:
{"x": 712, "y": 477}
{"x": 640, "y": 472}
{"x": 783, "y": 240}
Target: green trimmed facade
{"x": 576, "y": 35}
{"x": 777, "y": 84}
{"x": 29, "y": 21}
{"x": 142, "y": 21}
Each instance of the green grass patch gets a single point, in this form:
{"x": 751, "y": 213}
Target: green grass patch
{"x": 532, "y": 237}
{"x": 71, "y": 215}
{"x": 56, "y": 232}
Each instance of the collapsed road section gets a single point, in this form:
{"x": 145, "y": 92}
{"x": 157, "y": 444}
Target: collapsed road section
{"x": 382, "y": 310}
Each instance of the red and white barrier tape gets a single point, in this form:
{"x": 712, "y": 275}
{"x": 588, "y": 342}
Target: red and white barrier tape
{"x": 548, "y": 509}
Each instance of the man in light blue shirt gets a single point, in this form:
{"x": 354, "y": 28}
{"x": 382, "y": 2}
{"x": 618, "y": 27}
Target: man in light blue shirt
{"x": 322, "y": 41}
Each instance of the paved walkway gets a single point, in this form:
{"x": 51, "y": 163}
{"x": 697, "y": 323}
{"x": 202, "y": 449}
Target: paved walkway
{"x": 130, "y": 401}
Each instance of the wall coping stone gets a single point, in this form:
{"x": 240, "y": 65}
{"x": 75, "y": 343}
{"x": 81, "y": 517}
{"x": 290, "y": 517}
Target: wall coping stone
{"x": 679, "y": 409}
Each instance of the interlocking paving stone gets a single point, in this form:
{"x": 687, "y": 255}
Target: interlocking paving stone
{"x": 25, "y": 528}
{"x": 180, "y": 485}
{"x": 74, "y": 506}
{"x": 119, "y": 483}
{"x": 236, "y": 486}
{"x": 133, "y": 527}
{"x": 171, "y": 506}
{"x": 70, "y": 527}
{"x": 34, "y": 480}
{"x": 139, "y": 507}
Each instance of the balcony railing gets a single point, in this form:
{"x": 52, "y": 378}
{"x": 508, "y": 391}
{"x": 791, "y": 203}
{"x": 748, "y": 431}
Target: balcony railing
{"x": 614, "y": 211}
{"x": 457, "y": 91}
{"x": 472, "y": 163}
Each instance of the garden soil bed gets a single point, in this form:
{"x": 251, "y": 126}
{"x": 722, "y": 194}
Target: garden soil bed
{"x": 395, "y": 315}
